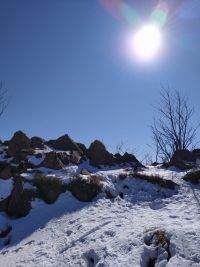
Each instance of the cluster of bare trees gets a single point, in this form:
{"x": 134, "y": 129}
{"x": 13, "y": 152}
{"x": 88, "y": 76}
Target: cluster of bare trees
{"x": 173, "y": 128}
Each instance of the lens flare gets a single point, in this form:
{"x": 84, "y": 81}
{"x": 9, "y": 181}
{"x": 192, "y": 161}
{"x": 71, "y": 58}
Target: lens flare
{"x": 159, "y": 14}
{"x": 146, "y": 42}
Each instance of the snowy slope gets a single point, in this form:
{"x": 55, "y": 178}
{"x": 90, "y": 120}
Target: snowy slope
{"x": 109, "y": 232}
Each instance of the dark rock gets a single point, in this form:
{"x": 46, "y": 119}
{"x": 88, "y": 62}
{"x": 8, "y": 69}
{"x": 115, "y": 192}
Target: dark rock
{"x": 85, "y": 190}
{"x": 5, "y": 172}
{"x": 183, "y": 159}
{"x": 121, "y": 195}
{"x": 75, "y": 157}
{"x": 4, "y": 204}
{"x": 18, "y": 142}
{"x": 64, "y": 143}
{"x": 196, "y": 153}
{"x": 37, "y": 142}
{"x": 7, "y": 229}
{"x": 126, "y": 158}
{"x": 82, "y": 148}
{"x": 6, "y": 143}
{"x": 18, "y": 205}
{"x": 52, "y": 161}
{"x": 109, "y": 195}
{"x": 98, "y": 155}
{"x": 64, "y": 157}
{"x": 193, "y": 177}
{"x": 38, "y": 155}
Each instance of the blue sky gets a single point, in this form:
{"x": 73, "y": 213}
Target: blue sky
{"x": 63, "y": 64}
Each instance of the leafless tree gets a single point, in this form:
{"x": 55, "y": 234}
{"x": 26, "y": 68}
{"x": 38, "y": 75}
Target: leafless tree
{"x": 173, "y": 129}
{"x": 3, "y": 98}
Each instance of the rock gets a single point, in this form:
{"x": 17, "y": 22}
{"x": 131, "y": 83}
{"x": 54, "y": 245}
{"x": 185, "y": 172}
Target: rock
{"x": 193, "y": 177}
{"x": 82, "y": 148}
{"x": 4, "y": 204}
{"x": 64, "y": 157}
{"x": 126, "y": 158}
{"x": 98, "y": 155}
{"x": 50, "y": 195}
{"x": 183, "y": 159}
{"x": 6, "y": 172}
{"x": 75, "y": 157}
{"x": 38, "y": 155}
{"x": 37, "y": 142}
{"x": 6, "y": 143}
{"x": 85, "y": 190}
{"x": 18, "y": 205}
{"x": 84, "y": 172}
{"x": 196, "y": 153}
{"x": 64, "y": 143}
{"x": 52, "y": 161}
{"x": 18, "y": 142}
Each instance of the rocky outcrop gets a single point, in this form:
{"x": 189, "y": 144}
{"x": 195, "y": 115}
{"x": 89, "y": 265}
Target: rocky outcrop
{"x": 37, "y": 142}
{"x": 126, "y": 158}
{"x": 98, "y": 155}
{"x": 5, "y": 171}
{"x": 183, "y": 159}
{"x": 18, "y": 142}
{"x": 75, "y": 157}
{"x": 64, "y": 143}
{"x": 18, "y": 205}
{"x": 85, "y": 190}
{"x": 52, "y": 161}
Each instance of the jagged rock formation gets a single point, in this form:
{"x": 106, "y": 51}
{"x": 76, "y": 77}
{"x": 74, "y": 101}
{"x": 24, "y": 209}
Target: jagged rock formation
{"x": 183, "y": 159}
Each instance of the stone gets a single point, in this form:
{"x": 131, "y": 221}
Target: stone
{"x": 64, "y": 143}
{"x": 18, "y": 142}
{"x": 52, "y": 161}
{"x": 37, "y": 142}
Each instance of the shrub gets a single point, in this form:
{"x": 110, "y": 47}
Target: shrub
{"x": 193, "y": 177}
{"x": 85, "y": 189}
{"x": 49, "y": 187}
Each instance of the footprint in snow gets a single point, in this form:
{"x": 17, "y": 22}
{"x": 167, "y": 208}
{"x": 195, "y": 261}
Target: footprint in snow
{"x": 91, "y": 258}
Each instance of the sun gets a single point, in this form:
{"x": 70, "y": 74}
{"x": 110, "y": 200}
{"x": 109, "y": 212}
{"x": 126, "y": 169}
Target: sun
{"x": 146, "y": 42}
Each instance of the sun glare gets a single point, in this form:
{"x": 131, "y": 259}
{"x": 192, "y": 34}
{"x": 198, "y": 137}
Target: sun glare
{"x": 146, "y": 42}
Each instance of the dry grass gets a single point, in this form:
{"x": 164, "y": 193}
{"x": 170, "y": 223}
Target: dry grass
{"x": 49, "y": 187}
{"x": 85, "y": 189}
{"x": 156, "y": 179}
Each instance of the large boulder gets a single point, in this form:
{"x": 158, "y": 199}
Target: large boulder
{"x": 5, "y": 171}
{"x": 85, "y": 189}
{"x": 183, "y": 159}
{"x": 64, "y": 143}
{"x": 37, "y": 142}
{"x": 18, "y": 143}
{"x": 75, "y": 157}
{"x": 52, "y": 161}
{"x": 126, "y": 158}
{"x": 18, "y": 205}
{"x": 98, "y": 155}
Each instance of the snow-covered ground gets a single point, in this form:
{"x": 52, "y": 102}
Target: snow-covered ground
{"x": 109, "y": 232}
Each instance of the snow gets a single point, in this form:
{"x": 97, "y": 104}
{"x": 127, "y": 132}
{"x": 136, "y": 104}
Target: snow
{"x": 109, "y": 232}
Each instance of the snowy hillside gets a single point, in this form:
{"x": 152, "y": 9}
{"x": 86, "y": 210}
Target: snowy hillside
{"x": 58, "y": 209}
{"x": 110, "y": 232}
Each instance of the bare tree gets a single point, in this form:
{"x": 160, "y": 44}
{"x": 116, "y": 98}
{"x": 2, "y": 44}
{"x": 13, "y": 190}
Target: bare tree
{"x": 173, "y": 129}
{"x": 3, "y": 98}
